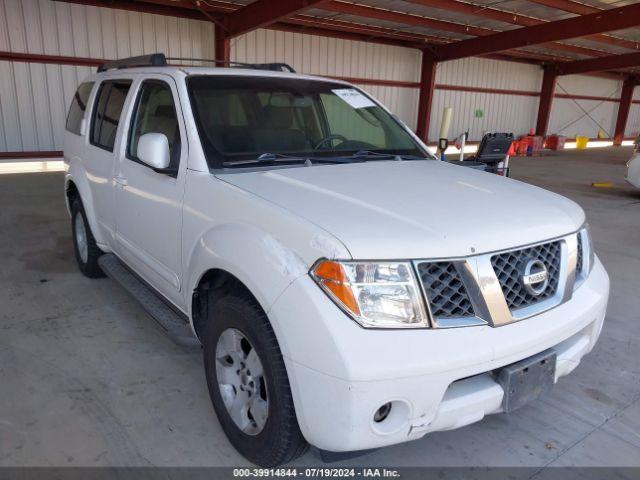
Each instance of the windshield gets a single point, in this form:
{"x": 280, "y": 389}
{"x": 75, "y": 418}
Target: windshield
{"x": 243, "y": 118}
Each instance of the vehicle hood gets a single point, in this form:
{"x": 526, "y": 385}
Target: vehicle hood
{"x": 415, "y": 209}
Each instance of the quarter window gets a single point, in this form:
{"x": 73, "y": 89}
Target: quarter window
{"x": 78, "y": 107}
{"x": 155, "y": 113}
{"x": 106, "y": 116}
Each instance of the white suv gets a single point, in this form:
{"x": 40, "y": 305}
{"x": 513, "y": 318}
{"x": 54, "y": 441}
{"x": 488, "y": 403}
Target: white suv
{"x": 349, "y": 290}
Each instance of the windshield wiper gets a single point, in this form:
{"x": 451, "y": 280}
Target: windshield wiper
{"x": 370, "y": 154}
{"x": 264, "y": 158}
{"x": 267, "y": 158}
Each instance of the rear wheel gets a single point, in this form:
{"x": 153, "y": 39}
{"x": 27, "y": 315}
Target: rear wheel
{"x": 248, "y": 383}
{"x": 86, "y": 250}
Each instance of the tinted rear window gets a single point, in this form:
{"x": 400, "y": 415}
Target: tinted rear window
{"x": 78, "y": 107}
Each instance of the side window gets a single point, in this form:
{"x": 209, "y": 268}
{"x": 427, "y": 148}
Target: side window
{"x": 78, "y": 107}
{"x": 106, "y": 115}
{"x": 155, "y": 113}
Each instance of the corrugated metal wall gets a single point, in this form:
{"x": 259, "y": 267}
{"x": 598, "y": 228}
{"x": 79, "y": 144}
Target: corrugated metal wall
{"x": 34, "y": 98}
{"x": 569, "y": 116}
{"x": 479, "y": 112}
{"x": 340, "y": 58}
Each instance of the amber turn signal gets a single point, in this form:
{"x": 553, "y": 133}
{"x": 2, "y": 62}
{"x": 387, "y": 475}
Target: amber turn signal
{"x": 332, "y": 277}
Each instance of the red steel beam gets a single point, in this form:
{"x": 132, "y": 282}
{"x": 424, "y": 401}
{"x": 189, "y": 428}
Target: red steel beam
{"x": 599, "y": 64}
{"x": 626, "y": 97}
{"x": 350, "y": 34}
{"x": 154, "y": 7}
{"x": 352, "y": 31}
{"x": 265, "y": 12}
{"x": 517, "y": 19}
{"x": 51, "y": 59}
{"x": 604, "y": 21}
{"x": 427, "y": 86}
{"x": 31, "y": 154}
{"x": 222, "y": 47}
{"x": 546, "y": 100}
{"x": 426, "y": 22}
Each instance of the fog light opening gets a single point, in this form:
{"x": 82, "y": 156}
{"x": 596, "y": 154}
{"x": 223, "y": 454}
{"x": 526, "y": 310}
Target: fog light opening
{"x": 382, "y": 413}
{"x": 391, "y": 417}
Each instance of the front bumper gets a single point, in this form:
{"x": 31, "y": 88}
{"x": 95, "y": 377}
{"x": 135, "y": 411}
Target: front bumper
{"x": 341, "y": 373}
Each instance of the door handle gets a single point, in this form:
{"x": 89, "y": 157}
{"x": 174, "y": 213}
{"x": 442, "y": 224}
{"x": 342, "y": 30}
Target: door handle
{"x": 120, "y": 180}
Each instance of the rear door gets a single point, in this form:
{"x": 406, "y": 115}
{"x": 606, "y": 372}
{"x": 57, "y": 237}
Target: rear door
{"x": 149, "y": 201}
{"x": 103, "y": 141}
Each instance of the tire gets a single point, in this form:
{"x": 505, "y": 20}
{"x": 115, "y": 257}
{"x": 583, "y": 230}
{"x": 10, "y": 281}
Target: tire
{"x": 277, "y": 439}
{"x": 84, "y": 245}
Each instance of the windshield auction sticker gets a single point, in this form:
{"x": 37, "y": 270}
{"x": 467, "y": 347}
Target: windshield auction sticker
{"x": 353, "y": 98}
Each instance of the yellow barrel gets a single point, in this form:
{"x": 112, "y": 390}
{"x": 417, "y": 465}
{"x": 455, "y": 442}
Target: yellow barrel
{"x": 582, "y": 142}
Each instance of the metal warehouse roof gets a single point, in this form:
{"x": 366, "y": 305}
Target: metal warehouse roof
{"x": 428, "y": 24}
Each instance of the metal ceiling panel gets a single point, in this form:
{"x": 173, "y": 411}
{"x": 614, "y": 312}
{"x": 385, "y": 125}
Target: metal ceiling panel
{"x": 323, "y": 14}
{"x": 607, "y": 3}
{"x": 439, "y": 14}
{"x": 629, "y": 34}
{"x": 554, "y": 53}
{"x": 435, "y": 13}
{"x": 525, "y": 8}
{"x": 594, "y": 45}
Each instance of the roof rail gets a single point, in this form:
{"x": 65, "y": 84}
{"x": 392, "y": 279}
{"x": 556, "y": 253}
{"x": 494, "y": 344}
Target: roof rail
{"x": 274, "y": 66}
{"x": 153, "y": 60}
{"x": 159, "y": 60}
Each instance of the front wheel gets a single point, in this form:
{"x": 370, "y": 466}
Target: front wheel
{"x": 86, "y": 250}
{"x": 248, "y": 383}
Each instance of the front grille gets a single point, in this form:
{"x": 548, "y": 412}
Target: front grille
{"x": 579, "y": 263}
{"x": 509, "y": 266}
{"x": 446, "y": 293}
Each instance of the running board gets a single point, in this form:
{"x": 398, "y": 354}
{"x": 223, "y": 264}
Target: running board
{"x": 172, "y": 323}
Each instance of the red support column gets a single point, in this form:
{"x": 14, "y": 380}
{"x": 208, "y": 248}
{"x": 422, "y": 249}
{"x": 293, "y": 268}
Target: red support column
{"x": 222, "y": 47}
{"x": 623, "y": 109}
{"x": 427, "y": 86}
{"x": 546, "y": 99}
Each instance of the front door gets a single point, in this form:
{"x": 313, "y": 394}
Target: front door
{"x": 149, "y": 201}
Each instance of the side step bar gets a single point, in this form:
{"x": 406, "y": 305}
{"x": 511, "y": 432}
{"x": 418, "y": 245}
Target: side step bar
{"x": 172, "y": 323}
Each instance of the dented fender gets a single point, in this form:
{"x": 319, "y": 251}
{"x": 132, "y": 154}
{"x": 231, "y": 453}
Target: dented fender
{"x": 259, "y": 260}
{"x": 263, "y": 245}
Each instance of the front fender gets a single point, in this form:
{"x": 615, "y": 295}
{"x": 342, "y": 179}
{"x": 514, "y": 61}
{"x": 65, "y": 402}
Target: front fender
{"x": 258, "y": 259}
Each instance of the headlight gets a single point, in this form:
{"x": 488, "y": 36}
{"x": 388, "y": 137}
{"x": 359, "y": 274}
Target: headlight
{"x": 591, "y": 247}
{"x": 588, "y": 254}
{"x": 376, "y": 295}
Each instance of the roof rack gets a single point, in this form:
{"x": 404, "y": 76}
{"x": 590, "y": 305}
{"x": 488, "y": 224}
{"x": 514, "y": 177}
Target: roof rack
{"x": 153, "y": 60}
{"x": 273, "y": 66}
{"x": 160, "y": 60}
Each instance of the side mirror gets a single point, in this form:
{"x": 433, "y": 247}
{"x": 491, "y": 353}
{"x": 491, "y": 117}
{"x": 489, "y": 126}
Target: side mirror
{"x": 153, "y": 150}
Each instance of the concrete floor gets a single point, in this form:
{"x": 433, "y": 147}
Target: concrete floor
{"x": 87, "y": 379}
